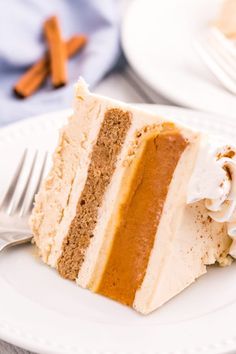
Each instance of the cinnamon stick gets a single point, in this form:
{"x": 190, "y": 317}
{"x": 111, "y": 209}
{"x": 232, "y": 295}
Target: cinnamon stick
{"x": 56, "y": 49}
{"x": 33, "y": 78}
{"x": 74, "y": 44}
{"x": 36, "y": 75}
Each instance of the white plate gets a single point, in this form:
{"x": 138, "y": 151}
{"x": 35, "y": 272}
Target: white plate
{"x": 44, "y": 313}
{"x": 158, "y": 39}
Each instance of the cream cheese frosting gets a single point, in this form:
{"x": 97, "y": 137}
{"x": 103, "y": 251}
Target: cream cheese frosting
{"x": 214, "y": 180}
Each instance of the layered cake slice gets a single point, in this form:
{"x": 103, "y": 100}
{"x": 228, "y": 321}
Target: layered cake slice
{"x": 226, "y": 20}
{"x": 115, "y": 213}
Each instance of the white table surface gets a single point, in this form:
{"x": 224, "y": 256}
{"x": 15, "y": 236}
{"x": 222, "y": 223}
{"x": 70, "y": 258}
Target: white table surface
{"x": 123, "y": 86}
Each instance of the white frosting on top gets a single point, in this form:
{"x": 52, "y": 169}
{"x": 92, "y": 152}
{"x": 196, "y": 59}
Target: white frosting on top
{"x": 214, "y": 180}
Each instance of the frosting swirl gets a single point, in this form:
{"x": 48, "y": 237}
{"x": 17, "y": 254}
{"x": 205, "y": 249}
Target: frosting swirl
{"x": 214, "y": 180}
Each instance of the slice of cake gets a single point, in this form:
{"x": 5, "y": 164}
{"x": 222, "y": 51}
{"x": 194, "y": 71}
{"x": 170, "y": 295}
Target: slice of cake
{"x": 113, "y": 214}
{"x": 226, "y": 21}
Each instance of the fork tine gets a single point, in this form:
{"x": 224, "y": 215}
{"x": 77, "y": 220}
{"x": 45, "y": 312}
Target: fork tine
{"x": 226, "y": 44}
{"x": 211, "y": 59}
{"x": 4, "y": 204}
{"x": 223, "y": 63}
{"x": 27, "y": 204}
{"x": 18, "y": 200}
{"x": 222, "y": 54}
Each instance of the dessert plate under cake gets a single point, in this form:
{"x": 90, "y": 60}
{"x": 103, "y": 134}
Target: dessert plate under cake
{"x": 40, "y": 313}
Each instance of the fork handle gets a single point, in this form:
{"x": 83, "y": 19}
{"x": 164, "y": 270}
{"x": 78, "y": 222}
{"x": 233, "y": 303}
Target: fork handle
{"x": 12, "y": 238}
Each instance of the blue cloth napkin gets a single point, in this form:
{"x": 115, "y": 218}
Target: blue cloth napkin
{"x": 22, "y": 44}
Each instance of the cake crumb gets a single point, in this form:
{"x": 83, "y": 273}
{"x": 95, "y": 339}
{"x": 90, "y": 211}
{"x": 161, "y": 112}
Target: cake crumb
{"x": 225, "y": 261}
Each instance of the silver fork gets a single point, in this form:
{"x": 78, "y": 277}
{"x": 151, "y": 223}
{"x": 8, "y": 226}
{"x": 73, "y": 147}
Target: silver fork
{"x": 17, "y": 202}
{"x": 219, "y": 55}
